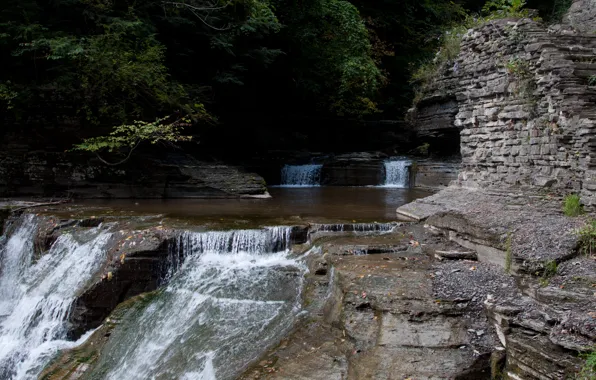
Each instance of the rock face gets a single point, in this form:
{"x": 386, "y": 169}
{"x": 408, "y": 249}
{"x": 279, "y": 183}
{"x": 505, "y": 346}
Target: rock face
{"x": 377, "y": 316}
{"x": 522, "y": 98}
{"x": 543, "y": 318}
{"x": 434, "y": 174}
{"x": 356, "y": 169}
{"x": 145, "y": 175}
{"x": 582, "y": 16}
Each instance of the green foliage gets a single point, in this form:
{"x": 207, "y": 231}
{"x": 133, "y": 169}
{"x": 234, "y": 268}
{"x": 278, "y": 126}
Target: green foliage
{"x": 572, "y": 205}
{"x": 518, "y": 67}
{"x": 519, "y": 70}
{"x": 129, "y": 136}
{"x": 550, "y": 269}
{"x": 7, "y": 95}
{"x": 587, "y": 238}
{"x": 332, "y": 48}
{"x": 560, "y": 7}
{"x": 592, "y": 80}
{"x": 497, "y": 9}
{"x": 423, "y": 149}
{"x": 588, "y": 371}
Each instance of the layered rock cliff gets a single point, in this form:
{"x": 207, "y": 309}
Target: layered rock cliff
{"x": 521, "y": 95}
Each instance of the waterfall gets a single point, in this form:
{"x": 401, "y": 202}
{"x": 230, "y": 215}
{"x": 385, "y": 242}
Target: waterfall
{"x": 353, "y": 227}
{"x": 37, "y": 294}
{"x": 301, "y": 175}
{"x": 397, "y": 173}
{"x": 235, "y": 294}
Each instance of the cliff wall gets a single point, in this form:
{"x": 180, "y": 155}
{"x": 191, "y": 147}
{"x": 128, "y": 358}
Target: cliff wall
{"x": 523, "y": 97}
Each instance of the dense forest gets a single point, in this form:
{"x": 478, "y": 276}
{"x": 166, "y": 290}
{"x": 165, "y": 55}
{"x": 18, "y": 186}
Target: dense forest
{"x": 214, "y": 70}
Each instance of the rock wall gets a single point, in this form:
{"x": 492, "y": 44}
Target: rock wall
{"x": 525, "y": 106}
{"x": 356, "y": 169}
{"x": 434, "y": 174}
{"x": 582, "y": 16}
{"x": 145, "y": 175}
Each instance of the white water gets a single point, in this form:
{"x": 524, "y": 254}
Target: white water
{"x": 37, "y": 295}
{"x": 236, "y": 293}
{"x": 301, "y": 175}
{"x": 353, "y": 227}
{"x": 397, "y": 173}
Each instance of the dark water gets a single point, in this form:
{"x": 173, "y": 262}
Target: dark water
{"x": 316, "y": 204}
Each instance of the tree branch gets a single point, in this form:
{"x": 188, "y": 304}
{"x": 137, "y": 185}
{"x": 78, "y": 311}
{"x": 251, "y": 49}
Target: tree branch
{"x": 122, "y": 161}
{"x": 194, "y": 10}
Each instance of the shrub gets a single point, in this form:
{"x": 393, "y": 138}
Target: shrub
{"x": 587, "y": 238}
{"x": 588, "y": 371}
{"x": 572, "y": 205}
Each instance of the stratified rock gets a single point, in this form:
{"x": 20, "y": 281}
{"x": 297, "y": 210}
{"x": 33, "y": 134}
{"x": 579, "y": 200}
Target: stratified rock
{"x": 434, "y": 174}
{"x": 145, "y": 175}
{"x": 355, "y": 169}
{"x": 520, "y": 96}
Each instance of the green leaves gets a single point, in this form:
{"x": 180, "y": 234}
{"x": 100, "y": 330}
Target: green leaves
{"x": 130, "y": 135}
{"x": 333, "y": 54}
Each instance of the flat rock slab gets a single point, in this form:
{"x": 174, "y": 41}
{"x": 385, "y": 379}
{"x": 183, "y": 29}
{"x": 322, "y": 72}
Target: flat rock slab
{"x": 533, "y": 228}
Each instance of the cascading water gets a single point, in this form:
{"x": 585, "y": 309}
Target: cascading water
{"x": 301, "y": 175}
{"x": 235, "y": 294}
{"x": 36, "y": 294}
{"x": 397, "y": 173}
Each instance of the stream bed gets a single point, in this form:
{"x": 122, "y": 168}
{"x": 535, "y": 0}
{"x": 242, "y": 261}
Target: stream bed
{"x": 233, "y": 287}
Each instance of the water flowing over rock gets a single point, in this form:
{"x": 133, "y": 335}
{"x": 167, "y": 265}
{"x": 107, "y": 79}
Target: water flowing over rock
{"x": 397, "y": 173}
{"x": 301, "y": 175}
{"x": 37, "y": 294}
{"x": 236, "y": 293}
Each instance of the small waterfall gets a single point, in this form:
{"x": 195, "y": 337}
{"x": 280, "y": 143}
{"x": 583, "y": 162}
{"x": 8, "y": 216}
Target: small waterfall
{"x": 354, "y": 227}
{"x": 37, "y": 295}
{"x": 301, "y": 175}
{"x": 235, "y": 294}
{"x": 397, "y": 173}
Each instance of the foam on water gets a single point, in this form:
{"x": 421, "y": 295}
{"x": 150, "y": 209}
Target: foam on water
{"x": 235, "y": 294}
{"x": 397, "y": 173}
{"x": 37, "y": 295}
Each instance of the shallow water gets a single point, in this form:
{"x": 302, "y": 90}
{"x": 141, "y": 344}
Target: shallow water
{"x": 315, "y": 204}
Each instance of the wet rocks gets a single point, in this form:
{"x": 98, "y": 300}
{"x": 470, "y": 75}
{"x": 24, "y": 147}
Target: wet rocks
{"x": 138, "y": 262}
{"x": 377, "y": 316}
